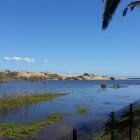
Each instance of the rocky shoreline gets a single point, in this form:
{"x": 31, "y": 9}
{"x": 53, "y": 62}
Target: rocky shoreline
{"x": 8, "y": 75}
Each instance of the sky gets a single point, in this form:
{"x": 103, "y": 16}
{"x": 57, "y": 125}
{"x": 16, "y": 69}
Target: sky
{"x": 65, "y": 36}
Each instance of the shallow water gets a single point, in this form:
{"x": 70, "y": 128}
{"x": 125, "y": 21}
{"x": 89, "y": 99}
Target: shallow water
{"x": 84, "y": 93}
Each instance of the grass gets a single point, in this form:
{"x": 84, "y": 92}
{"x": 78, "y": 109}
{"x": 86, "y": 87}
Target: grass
{"x": 103, "y": 137}
{"x": 121, "y": 130}
{"x": 7, "y": 101}
{"x": 24, "y": 130}
{"x": 118, "y": 86}
{"x": 82, "y": 110}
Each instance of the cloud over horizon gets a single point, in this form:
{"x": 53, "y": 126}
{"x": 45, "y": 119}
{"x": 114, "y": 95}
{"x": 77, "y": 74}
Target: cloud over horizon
{"x": 19, "y": 59}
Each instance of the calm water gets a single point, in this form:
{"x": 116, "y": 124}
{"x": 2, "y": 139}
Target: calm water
{"x": 84, "y": 93}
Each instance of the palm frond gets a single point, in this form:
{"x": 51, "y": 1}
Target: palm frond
{"x": 110, "y": 8}
{"x": 131, "y": 6}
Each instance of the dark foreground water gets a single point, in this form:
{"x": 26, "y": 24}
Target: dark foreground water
{"x": 87, "y": 94}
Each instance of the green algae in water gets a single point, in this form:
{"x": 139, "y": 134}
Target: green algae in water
{"x": 118, "y": 86}
{"x": 7, "y": 101}
{"x": 82, "y": 110}
{"x": 23, "y": 130}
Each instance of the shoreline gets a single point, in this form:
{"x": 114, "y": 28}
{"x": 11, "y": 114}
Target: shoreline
{"x": 6, "y": 76}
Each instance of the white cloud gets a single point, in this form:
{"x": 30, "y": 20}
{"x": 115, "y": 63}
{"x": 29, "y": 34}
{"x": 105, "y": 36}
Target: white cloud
{"x": 6, "y": 58}
{"x": 45, "y": 61}
{"x": 20, "y": 59}
{"x": 29, "y": 60}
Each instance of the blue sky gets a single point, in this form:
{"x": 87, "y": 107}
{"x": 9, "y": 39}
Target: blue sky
{"x": 65, "y": 36}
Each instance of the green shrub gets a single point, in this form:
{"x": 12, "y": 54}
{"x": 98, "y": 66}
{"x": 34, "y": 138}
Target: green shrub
{"x": 119, "y": 86}
{"x": 86, "y": 74}
{"x": 112, "y": 78}
{"x": 103, "y": 85}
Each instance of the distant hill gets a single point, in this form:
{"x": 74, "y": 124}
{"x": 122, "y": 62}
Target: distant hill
{"x": 8, "y": 75}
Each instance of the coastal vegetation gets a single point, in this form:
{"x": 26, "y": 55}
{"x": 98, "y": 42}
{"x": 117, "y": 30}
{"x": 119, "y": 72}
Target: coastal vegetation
{"x": 121, "y": 129}
{"x": 7, "y": 75}
{"x": 112, "y": 78}
{"x": 82, "y": 110}
{"x": 7, "y": 101}
{"x": 118, "y": 86}
{"x": 103, "y": 85}
{"x": 23, "y": 130}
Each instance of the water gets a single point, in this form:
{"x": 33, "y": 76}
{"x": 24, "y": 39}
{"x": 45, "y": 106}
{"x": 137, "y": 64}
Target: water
{"x": 84, "y": 93}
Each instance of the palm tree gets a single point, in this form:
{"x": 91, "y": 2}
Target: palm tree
{"x": 110, "y": 8}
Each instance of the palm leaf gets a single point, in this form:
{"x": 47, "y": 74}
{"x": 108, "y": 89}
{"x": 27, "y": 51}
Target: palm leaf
{"x": 131, "y": 6}
{"x": 110, "y": 8}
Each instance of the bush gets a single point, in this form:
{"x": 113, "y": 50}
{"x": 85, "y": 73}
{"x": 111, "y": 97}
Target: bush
{"x": 86, "y": 74}
{"x": 103, "y": 85}
{"x": 112, "y": 78}
{"x": 118, "y": 86}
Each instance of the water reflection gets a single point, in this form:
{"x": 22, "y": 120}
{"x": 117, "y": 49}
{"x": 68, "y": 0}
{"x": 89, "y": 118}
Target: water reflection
{"x": 87, "y": 92}
{"x": 6, "y": 112}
